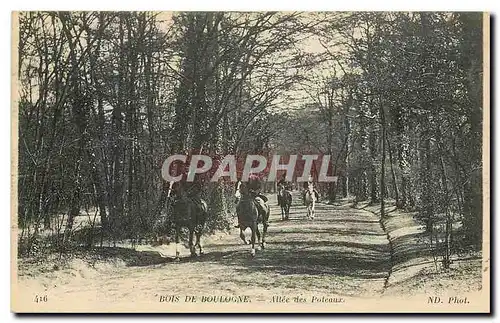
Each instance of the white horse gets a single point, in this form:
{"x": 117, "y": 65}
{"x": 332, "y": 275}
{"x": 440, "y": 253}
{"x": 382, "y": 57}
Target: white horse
{"x": 310, "y": 201}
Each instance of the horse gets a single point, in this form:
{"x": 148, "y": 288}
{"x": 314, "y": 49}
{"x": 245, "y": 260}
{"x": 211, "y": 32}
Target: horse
{"x": 189, "y": 213}
{"x": 310, "y": 201}
{"x": 284, "y": 201}
{"x": 251, "y": 211}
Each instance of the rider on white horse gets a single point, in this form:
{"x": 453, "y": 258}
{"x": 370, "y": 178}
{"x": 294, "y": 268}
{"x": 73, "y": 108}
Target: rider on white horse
{"x": 308, "y": 184}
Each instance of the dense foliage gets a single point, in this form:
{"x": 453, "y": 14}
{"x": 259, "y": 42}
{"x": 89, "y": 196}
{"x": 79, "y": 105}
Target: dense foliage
{"x": 105, "y": 97}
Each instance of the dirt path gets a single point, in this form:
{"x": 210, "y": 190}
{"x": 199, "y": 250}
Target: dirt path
{"x": 343, "y": 252}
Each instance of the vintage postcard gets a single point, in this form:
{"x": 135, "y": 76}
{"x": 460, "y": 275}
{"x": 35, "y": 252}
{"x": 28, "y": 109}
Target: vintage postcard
{"x": 250, "y": 162}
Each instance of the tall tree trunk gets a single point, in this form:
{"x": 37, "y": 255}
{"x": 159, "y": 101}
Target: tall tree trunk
{"x": 372, "y": 170}
{"x": 382, "y": 164}
{"x": 427, "y": 186}
{"x": 472, "y": 64}
{"x": 78, "y": 109}
{"x": 394, "y": 179}
{"x": 116, "y": 211}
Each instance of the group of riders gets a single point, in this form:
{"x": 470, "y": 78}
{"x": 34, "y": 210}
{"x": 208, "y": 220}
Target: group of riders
{"x": 254, "y": 189}
{"x": 251, "y": 207}
{"x": 309, "y": 184}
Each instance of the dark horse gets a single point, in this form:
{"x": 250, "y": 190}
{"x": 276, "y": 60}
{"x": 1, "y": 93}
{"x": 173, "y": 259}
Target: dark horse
{"x": 251, "y": 211}
{"x": 284, "y": 201}
{"x": 191, "y": 213}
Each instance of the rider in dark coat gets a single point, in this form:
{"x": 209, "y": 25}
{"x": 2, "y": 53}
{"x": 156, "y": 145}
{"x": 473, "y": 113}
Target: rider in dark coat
{"x": 283, "y": 183}
{"x": 194, "y": 191}
{"x": 282, "y": 180}
{"x": 253, "y": 187}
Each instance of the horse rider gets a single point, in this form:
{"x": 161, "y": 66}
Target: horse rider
{"x": 191, "y": 191}
{"x": 284, "y": 183}
{"x": 308, "y": 184}
{"x": 253, "y": 188}
{"x": 194, "y": 193}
